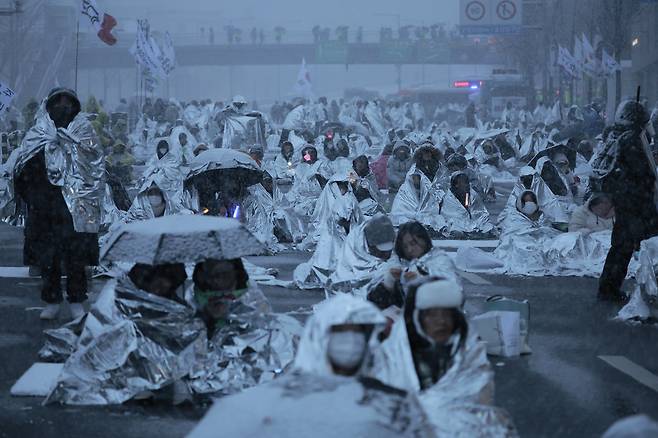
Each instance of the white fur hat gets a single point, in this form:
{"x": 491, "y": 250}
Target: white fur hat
{"x": 445, "y": 294}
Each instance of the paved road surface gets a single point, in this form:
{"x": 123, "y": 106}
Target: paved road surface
{"x": 561, "y": 390}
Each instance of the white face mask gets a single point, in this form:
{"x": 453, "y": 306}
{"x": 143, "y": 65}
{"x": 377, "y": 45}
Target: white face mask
{"x": 346, "y": 349}
{"x": 529, "y": 208}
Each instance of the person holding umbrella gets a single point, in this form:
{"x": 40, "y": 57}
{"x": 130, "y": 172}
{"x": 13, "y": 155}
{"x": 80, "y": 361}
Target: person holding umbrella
{"x": 154, "y": 334}
{"x": 218, "y": 180}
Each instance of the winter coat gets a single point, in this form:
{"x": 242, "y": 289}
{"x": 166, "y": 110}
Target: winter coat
{"x": 379, "y": 168}
{"x": 584, "y": 219}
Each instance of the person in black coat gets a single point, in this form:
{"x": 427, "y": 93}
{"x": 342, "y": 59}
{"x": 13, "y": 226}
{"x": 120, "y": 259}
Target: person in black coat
{"x": 626, "y": 172}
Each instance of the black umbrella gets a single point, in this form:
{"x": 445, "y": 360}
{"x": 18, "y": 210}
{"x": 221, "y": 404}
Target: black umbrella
{"x": 549, "y": 152}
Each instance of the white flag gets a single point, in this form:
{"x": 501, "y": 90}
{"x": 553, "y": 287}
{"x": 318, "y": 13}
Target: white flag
{"x": 146, "y": 51}
{"x": 567, "y": 61}
{"x": 588, "y": 50}
{"x": 590, "y": 62}
{"x": 608, "y": 64}
{"x": 93, "y": 14}
{"x": 102, "y": 22}
{"x": 6, "y": 96}
{"x": 303, "y": 85}
{"x": 169, "y": 54}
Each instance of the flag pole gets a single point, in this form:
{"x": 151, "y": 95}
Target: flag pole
{"x": 77, "y": 50}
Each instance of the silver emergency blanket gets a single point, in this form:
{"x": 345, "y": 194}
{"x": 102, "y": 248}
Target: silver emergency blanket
{"x": 308, "y": 405}
{"x": 306, "y": 189}
{"x": 518, "y": 189}
{"x": 372, "y": 205}
{"x": 110, "y": 214}
{"x": 192, "y": 115}
{"x": 259, "y": 215}
{"x": 296, "y": 119}
{"x": 356, "y": 266}
{"x": 264, "y": 212}
{"x": 145, "y": 147}
{"x": 418, "y": 205}
{"x": 498, "y": 174}
{"x": 243, "y": 132}
{"x": 340, "y": 309}
{"x": 8, "y": 204}
{"x": 533, "y": 248}
{"x": 181, "y": 239}
{"x": 474, "y": 219}
{"x": 460, "y": 403}
{"x": 332, "y": 207}
{"x": 296, "y": 404}
{"x": 399, "y": 117}
{"x": 378, "y": 125}
{"x": 187, "y": 150}
{"x": 436, "y": 263}
{"x": 358, "y": 145}
{"x": 643, "y": 303}
{"x": 553, "y": 209}
{"x": 533, "y": 144}
{"x": 132, "y": 342}
{"x": 566, "y": 203}
{"x": 253, "y": 347}
{"x": 166, "y": 173}
{"x": 74, "y": 161}
{"x": 338, "y": 166}
{"x": 141, "y": 207}
{"x": 282, "y": 168}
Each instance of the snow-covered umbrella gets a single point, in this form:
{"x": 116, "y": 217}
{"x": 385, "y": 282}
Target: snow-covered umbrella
{"x": 181, "y": 239}
{"x": 319, "y": 406}
{"x": 226, "y": 163}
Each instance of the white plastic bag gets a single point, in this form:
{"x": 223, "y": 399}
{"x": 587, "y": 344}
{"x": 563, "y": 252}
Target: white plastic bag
{"x": 501, "y": 331}
{"x": 500, "y": 303}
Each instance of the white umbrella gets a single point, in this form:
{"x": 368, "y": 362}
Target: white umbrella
{"x": 181, "y": 239}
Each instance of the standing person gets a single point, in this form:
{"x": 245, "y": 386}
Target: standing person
{"x": 59, "y": 175}
{"x": 626, "y": 172}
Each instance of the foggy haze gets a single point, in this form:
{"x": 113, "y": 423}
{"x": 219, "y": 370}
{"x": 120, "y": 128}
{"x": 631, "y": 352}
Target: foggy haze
{"x": 293, "y": 14}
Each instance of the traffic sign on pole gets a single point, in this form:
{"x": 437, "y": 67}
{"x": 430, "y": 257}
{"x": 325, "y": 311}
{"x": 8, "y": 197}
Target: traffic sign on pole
{"x": 490, "y": 16}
